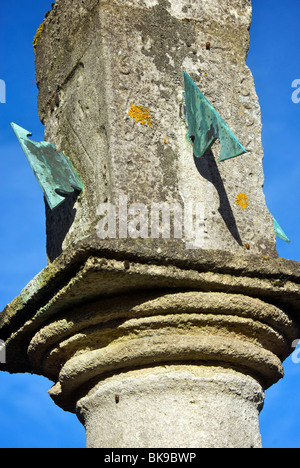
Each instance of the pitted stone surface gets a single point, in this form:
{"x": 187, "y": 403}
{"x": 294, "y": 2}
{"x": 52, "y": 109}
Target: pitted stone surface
{"x": 134, "y": 53}
{"x": 182, "y": 406}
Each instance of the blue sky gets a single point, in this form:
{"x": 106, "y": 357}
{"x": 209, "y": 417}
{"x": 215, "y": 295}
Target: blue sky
{"x": 28, "y": 416}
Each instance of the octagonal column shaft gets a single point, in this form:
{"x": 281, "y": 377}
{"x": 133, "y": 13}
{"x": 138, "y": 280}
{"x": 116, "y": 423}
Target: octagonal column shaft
{"x": 111, "y": 84}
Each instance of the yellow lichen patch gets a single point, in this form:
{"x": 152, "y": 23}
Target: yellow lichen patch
{"x": 140, "y": 114}
{"x": 242, "y": 200}
{"x": 38, "y": 35}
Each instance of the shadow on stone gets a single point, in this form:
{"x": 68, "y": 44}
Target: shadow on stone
{"x": 58, "y": 224}
{"x": 208, "y": 168}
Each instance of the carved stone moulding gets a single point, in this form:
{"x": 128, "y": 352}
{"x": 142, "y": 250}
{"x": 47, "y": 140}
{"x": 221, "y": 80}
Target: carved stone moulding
{"x": 87, "y": 343}
{"x": 102, "y": 311}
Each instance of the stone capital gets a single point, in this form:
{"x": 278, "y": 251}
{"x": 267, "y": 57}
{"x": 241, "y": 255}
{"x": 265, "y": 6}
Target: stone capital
{"x": 111, "y": 329}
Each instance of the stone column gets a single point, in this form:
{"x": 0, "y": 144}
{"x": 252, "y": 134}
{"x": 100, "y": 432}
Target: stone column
{"x": 111, "y": 82}
{"x": 154, "y": 339}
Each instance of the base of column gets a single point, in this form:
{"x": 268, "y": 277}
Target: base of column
{"x": 173, "y": 406}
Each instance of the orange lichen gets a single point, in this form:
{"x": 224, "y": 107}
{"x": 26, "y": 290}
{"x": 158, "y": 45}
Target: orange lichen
{"x": 140, "y": 114}
{"x": 242, "y": 200}
{"x": 38, "y": 35}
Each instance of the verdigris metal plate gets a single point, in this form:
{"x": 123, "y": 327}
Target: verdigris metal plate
{"x": 206, "y": 126}
{"x": 279, "y": 232}
{"x": 53, "y": 170}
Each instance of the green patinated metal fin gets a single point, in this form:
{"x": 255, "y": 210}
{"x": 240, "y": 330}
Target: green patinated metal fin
{"x": 206, "y": 126}
{"x": 279, "y": 232}
{"x": 52, "y": 169}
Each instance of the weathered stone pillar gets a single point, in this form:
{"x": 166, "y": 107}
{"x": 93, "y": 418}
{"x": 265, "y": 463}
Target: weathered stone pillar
{"x": 155, "y": 335}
